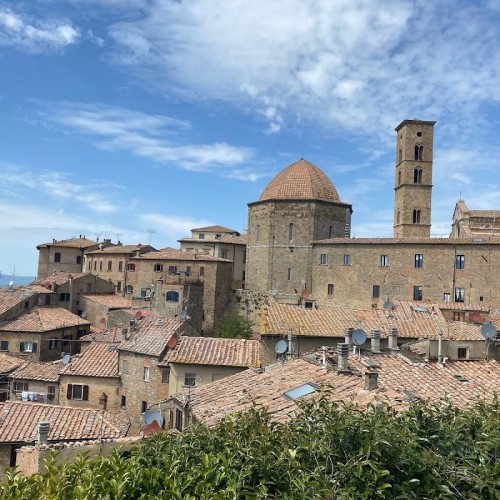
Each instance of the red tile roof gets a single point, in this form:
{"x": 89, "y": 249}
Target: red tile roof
{"x": 19, "y": 423}
{"x": 214, "y": 351}
{"x": 109, "y": 300}
{"x": 98, "y": 360}
{"x": 173, "y": 254}
{"x": 216, "y": 229}
{"x": 43, "y": 319}
{"x": 70, "y": 243}
{"x": 45, "y": 372}
{"x": 483, "y": 240}
{"x": 59, "y": 278}
{"x": 122, "y": 249}
{"x": 9, "y": 363}
{"x": 9, "y": 297}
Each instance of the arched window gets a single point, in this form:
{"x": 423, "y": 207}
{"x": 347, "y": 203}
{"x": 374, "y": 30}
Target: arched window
{"x": 399, "y": 177}
{"x": 172, "y": 296}
{"x": 291, "y": 232}
{"x": 330, "y": 232}
{"x": 417, "y": 176}
{"x": 416, "y": 216}
{"x": 419, "y": 152}
{"x": 400, "y": 155}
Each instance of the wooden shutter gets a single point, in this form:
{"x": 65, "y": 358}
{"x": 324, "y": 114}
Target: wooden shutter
{"x": 85, "y": 395}
{"x": 35, "y": 345}
{"x": 21, "y": 346}
{"x": 69, "y": 392}
{"x": 4, "y": 345}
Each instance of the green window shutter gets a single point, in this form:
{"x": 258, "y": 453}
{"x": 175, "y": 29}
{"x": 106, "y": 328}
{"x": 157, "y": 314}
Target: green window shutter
{"x": 35, "y": 345}
{"x": 85, "y": 396}
{"x": 69, "y": 392}
{"x": 21, "y": 346}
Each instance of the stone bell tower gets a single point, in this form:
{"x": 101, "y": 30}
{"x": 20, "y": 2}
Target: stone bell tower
{"x": 413, "y": 184}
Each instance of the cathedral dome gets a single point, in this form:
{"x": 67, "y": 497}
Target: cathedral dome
{"x": 300, "y": 181}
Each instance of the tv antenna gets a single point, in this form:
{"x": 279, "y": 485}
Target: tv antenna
{"x": 151, "y": 232}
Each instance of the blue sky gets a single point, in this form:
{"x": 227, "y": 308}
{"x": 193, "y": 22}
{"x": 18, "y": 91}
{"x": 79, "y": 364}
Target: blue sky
{"x": 119, "y": 116}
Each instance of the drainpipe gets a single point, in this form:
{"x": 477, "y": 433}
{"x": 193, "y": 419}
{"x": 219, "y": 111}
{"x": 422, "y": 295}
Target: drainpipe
{"x": 440, "y": 347}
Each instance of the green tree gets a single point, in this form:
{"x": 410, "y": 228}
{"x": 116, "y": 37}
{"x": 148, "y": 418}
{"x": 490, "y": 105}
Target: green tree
{"x": 234, "y": 326}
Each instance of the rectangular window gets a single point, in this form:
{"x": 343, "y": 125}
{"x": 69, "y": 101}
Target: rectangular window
{"x": 20, "y": 386}
{"x": 384, "y": 261}
{"x": 376, "y": 291}
{"x": 90, "y": 266}
{"x": 458, "y": 316}
{"x": 123, "y": 401}
{"x": 78, "y": 259}
{"x": 146, "y": 373}
{"x": 459, "y": 294}
{"x": 201, "y": 236}
{"x": 51, "y": 392}
{"x": 417, "y": 292}
{"x": 165, "y": 375}
{"x": 144, "y": 406}
{"x": 289, "y": 274}
{"x": 118, "y": 286}
{"x": 63, "y": 297}
{"x": 4, "y": 345}
{"x": 129, "y": 289}
{"x": 131, "y": 267}
{"x": 110, "y": 265}
{"x": 120, "y": 265}
{"x": 347, "y": 260}
{"x": 125, "y": 366}
{"x": 100, "y": 265}
{"x": 224, "y": 254}
{"x": 57, "y": 257}
{"x": 178, "y": 420}
{"x": 202, "y": 271}
{"x": 158, "y": 268}
{"x": 460, "y": 262}
{"x": 189, "y": 379}
{"x": 172, "y": 269}
{"x": 419, "y": 260}
{"x": 188, "y": 270}
{"x": 323, "y": 259}
{"x": 330, "y": 289}
{"x": 77, "y": 391}
{"x": 463, "y": 353}
{"x": 28, "y": 346}
{"x": 446, "y": 297}
{"x": 95, "y": 265}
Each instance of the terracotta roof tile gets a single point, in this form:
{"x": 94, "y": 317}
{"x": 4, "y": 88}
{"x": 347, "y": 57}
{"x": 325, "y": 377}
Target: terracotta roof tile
{"x": 173, "y": 254}
{"x": 43, "y": 319}
{"x": 484, "y": 240}
{"x": 108, "y": 335}
{"x": 216, "y": 229}
{"x": 59, "y": 278}
{"x": 46, "y": 372}
{"x": 9, "y": 363}
{"x": 19, "y": 423}
{"x": 96, "y": 361}
{"x": 122, "y": 249}
{"x": 215, "y": 351}
{"x": 109, "y": 300}
{"x": 9, "y": 297}
{"x": 70, "y": 243}
{"x": 301, "y": 180}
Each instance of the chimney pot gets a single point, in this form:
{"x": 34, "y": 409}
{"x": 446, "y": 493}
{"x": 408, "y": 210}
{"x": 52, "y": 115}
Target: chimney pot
{"x": 43, "y": 432}
{"x": 393, "y": 339}
{"x": 348, "y": 336}
{"x": 371, "y": 380}
{"x": 343, "y": 357}
{"x": 375, "y": 340}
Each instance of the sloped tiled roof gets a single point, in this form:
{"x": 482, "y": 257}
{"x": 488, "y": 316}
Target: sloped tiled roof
{"x": 45, "y": 372}
{"x": 70, "y": 243}
{"x": 151, "y": 335}
{"x": 215, "y": 351}
{"x": 215, "y": 229}
{"x": 19, "y": 423}
{"x": 9, "y": 363}
{"x": 109, "y": 300}
{"x": 241, "y": 239}
{"x": 488, "y": 214}
{"x": 43, "y": 319}
{"x": 59, "y": 278}
{"x": 483, "y": 240}
{"x": 98, "y": 360}
{"x": 108, "y": 335}
{"x": 173, "y": 254}
{"x": 301, "y": 180}
{"x": 212, "y": 402}
{"x": 122, "y": 249}
{"x": 9, "y": 297}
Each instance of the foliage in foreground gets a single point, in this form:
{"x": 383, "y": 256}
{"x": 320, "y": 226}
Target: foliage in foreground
{"x": 330, "y": 451}
{"x": 234, "y": 326}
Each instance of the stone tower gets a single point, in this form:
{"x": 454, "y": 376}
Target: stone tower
{"x": 298, "y": 206}
{"x": 413, "y": 184}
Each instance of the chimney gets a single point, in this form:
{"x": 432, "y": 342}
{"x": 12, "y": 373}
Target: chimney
{"x": 371, "y": 380}
{"x": 343, "y": 358}
{"x": 375, "y": 337}
{"x": 348, "y": 337}
{"x": 43, "y": 432}
{"x": 393, "y": 339}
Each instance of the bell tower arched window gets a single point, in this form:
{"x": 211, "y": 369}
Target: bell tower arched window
{"x": 291, "y": 232}
{"x": 419, "y": 152}
{"x": 400, "y": 155}
{"x": 417, "y": 176}
{"x": 416, "y": 216}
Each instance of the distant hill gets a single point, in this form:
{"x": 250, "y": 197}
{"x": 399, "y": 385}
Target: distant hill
{"x": 5, "y": 279}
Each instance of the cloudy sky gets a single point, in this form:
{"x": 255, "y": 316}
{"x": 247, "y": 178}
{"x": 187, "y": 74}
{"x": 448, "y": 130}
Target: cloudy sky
{"x": 119, "y": 116}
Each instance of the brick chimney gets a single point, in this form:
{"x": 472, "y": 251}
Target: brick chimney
{"x": 375, "y": 340}
{"x": 43, "y": 432}
{"x": 393, "y": 339}
{"x": 343, "y": 358}
{"x": 371, "y": 380}
{"x": 348, "y": 336}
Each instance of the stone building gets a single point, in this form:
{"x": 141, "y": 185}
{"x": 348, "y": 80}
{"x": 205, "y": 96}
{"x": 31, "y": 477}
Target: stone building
{"x": 36, "y": 382}
{"x": 15, "y": 300}
{"x": 298, "y": 206}
{"x": 63, "y": 255}
{"x": 474, "y": 223}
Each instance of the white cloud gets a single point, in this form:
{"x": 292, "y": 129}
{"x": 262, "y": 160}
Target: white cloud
{"x": 158, "y": 138}
{"x": 35, "y": 35}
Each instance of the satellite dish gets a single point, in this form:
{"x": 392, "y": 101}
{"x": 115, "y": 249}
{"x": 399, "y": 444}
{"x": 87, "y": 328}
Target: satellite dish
{"x": 151, "y": 416}
{"x": 488, "y": 330}
{"x": 358, "y": 337}
{"x": 84, "y": 314}
{"x": 112, "y": 348}
{"x": 183, "y": 314}
{"x": 172, "y": 342}
{"x": 388, "y": 305}
{"x": 66, "y": 359}
{"x": 281, "y": 347}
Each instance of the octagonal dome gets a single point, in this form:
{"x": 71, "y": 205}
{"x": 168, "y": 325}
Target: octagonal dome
{"x": 300, "y": 181}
